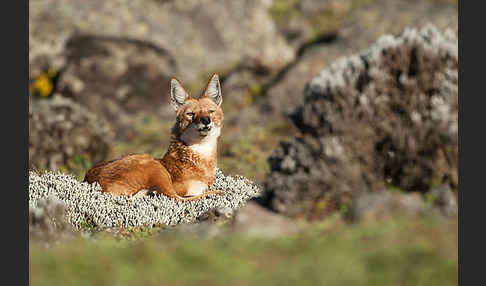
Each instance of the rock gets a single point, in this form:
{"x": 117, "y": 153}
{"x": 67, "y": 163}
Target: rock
{"x": 118, "y": 79}
{"x": 384, "y": 117}
{"x": 201, "y": 230}
{"x": 48, "y": 221}
{"x": 60, "y": 129}
{"x": 221, "y": 214}
{"x": 46, "y": 50}
{"x": 384, "y": 205}
{"x": 200, "y": 35}
{"x": 445, "y": 200}
{"x": 255, "y": 220}
{"x": 251, "y": 220}
{"x": 242, "y": 88}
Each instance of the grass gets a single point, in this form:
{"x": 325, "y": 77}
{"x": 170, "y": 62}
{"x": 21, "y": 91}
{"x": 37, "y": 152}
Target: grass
{"x": 247, "y": 155}
{"x": 394, "y": 252}
{"x": 77, "y": 165}
{"x": 151, "y": 135}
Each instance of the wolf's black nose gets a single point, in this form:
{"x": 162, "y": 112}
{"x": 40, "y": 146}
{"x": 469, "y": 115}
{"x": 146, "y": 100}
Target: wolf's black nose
{"x": 205, "y": 120}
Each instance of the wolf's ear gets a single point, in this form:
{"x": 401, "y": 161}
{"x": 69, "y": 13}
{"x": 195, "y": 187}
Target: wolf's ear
{"x": 178, "y": 94}
{"x": 213, "y": 90}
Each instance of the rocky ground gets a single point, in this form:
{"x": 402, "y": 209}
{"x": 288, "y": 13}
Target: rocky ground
{"x": 325, "y": 117}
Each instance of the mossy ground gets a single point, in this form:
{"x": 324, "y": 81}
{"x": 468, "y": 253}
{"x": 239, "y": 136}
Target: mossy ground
{"x": 394, "y": 252}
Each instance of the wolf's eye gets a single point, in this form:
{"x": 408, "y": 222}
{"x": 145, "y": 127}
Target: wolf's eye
{"x": 211, "y": 111}
{"x": 191, "y": 114}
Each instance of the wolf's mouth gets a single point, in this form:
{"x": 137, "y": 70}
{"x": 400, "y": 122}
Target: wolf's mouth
{"x": 204, "y": 130}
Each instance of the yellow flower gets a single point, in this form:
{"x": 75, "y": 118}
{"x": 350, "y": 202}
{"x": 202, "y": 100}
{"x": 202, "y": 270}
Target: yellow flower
{"x": 43, "y": 85}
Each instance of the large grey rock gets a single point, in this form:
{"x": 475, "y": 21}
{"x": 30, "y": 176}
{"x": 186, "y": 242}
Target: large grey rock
{"x": 254, "y": 220}
{"x": 60, "y": 129}
{"x": 445, "y": 200}
{"x": 386, "y": 116}
{"x": 118, "y": 79}
{"x": 200, "y": 35}
{"x": 384, "y": 205}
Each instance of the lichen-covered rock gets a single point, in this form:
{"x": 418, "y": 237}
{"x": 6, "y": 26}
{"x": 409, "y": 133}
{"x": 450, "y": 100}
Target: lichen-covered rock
{"x": 87, "y": 205}
{"x": 60, "y": 129}
{"x": 384, "y": 117}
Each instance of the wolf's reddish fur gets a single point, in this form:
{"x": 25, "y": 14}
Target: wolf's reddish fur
{"x": 186, "y": 172}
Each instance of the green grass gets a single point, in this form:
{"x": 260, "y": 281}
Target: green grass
{"x": 151, "y": 135}
{"x": 422, "y": 252}
{"x": 77, "y": 165}
{"x": 248, "y": 154}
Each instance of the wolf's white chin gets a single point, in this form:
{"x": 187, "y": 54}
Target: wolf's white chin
{"x": 204, "y": 145}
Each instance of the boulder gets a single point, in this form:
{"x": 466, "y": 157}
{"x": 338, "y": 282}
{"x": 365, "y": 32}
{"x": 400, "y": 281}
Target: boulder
{"x": 384, "y": 205}
{"x": 60, "y": 129}
{"x": 48, "y": 221}
{"x": 117, "y": 79}
{"x": 384, "y": 117}
{"x": 445, "y": 200}
{"x": 256, "y": 221}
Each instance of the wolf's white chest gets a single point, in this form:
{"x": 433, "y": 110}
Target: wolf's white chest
{"x": 195, "y": 188}
{"x": 204, "y": 149}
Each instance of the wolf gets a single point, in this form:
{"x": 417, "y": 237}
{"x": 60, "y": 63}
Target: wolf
{"x": 187, "y": 170}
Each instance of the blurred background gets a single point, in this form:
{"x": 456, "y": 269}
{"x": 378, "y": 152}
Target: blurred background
{"x": 384, "y": 213}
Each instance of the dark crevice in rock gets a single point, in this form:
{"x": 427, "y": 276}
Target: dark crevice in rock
{"x": 245, "y": 65}
{"x": 413, "y": 68}
{"x": 89, "y": 42}
{"x": 274, "y": 80}
{"x": 364, "y": 79}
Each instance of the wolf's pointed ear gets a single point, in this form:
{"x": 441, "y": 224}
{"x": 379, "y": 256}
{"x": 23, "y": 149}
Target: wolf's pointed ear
{"x": 178, "y": 94}
{"x": 213, "y": 90}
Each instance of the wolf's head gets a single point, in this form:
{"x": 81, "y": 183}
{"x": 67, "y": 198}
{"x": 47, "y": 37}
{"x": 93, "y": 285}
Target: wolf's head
{"x": 198, "y": 120}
